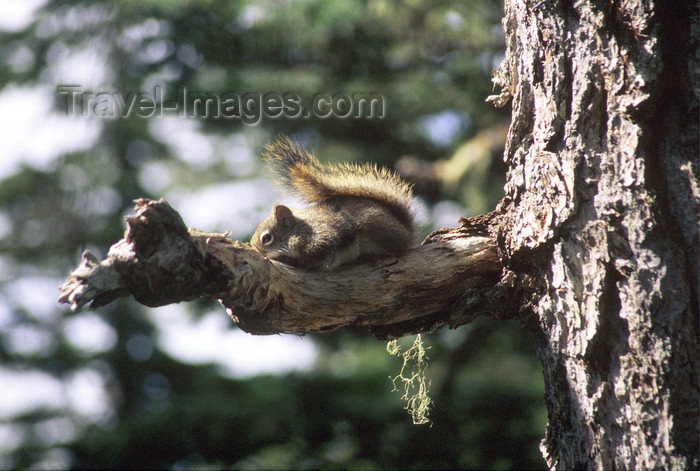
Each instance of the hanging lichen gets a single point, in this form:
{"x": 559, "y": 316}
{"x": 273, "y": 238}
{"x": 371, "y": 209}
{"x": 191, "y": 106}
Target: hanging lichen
{"x": 413, "y": 379}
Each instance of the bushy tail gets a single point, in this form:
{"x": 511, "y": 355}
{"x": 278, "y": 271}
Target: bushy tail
{"x": 301, "y": 171}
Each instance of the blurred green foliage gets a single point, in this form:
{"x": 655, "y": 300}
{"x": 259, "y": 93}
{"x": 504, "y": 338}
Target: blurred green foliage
{"x": 429, "y": 59}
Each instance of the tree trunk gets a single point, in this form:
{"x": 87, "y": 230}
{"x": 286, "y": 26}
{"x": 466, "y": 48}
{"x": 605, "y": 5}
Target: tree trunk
{"x": 601, "y": 208}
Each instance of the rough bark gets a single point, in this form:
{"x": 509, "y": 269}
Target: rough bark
{"x": 601, "y": 208}
{"x": 451, "y": 279}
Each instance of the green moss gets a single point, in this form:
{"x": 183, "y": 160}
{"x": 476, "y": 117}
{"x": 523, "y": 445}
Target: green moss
{"x": 413, "y": 379}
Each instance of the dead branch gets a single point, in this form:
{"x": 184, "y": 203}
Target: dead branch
{"x": 449, "y": 280}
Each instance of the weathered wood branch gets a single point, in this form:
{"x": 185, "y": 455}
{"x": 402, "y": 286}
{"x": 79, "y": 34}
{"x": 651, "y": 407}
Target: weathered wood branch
{"x": 449, "y": 280}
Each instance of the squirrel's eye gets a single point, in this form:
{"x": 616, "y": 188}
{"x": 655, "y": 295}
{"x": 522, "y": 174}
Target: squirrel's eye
{"x": 266, "y": 238}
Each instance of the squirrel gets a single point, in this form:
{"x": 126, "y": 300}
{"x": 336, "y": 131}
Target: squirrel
{"x": 357, "y": 213}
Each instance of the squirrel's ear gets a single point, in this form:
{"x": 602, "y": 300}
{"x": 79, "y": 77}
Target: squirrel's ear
{"x": 283, "y": 214}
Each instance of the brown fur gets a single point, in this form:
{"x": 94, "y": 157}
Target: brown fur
{"x": 358, "y": 212}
